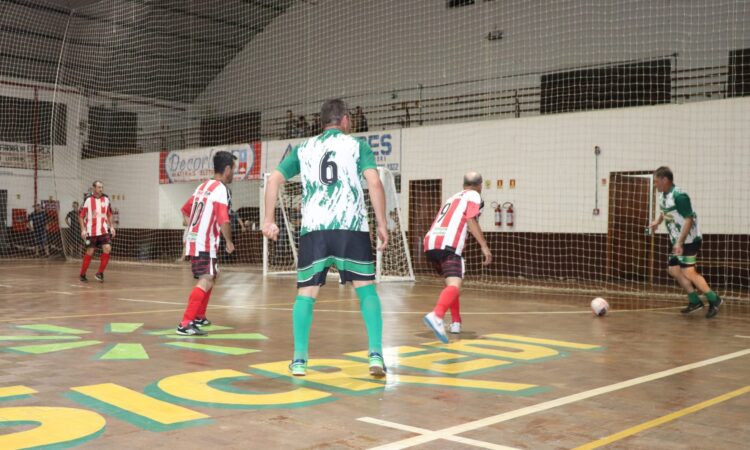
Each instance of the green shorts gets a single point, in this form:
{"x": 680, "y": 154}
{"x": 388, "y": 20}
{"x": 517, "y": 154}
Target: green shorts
{"x": 349, "y": 251}
{"x": 689, "y": 255}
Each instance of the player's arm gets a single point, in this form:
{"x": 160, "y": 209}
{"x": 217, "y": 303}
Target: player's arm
{"x": 377, "y": 197}
{"x": 655, "y": 224}
{"x": 476, "y": 231}
{"x": 186, "y": 210}
{"x": 225, "y": 225}
{"x": 112, "y": 230}
{"x": 81, "y": 215}
{"x": 288, "y": 168}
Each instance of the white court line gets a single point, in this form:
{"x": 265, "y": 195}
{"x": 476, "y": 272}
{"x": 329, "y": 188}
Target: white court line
{"x": 167, "y": 303}
{"x": 60, "y": 292}
{"x": 746, "y": 337}
{"x": 417, "y": 430}
{"x": 492, "y": 420}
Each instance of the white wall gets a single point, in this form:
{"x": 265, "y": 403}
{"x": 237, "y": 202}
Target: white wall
{"x": 706, "y": 144}
{"x": 331, "y": 48}
{"x": 62, "y": 183}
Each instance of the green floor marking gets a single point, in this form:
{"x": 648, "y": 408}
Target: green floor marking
{"x": 122, "y": 327}
{"x": 49, "y": 348}
{"x": 172, "y": 330}
{"x": 232, "y": 336}
{"x": 37, "y": 338}
{"x": 125, "y": 351}
{"x": 47, "y": 328}
{"x": 213, "y": 348}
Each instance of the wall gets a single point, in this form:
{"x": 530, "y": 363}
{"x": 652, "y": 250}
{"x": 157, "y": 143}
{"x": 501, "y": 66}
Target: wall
{"x": 359, "y": 47}
{"x": 62, "y": 183}
{"x": 706, "y": 144}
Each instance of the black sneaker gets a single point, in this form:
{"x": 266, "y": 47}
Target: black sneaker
{"x": 190, "y": 330}
{"x": 204, "y": 322}
{"x": 99, "y": 277}
{"x": 713, "y": 308}
{"x": 84, "y": 279}
{"x": 692, "y": 307}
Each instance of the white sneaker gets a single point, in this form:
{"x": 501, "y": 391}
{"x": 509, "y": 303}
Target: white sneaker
{"x": 436, "y": 325}
{"x": 456, "y": 328}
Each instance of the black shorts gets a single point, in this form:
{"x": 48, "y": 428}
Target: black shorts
{"x": 689, "y": 255}
{"x": 99, "y": 241}
{"x": 446, "y": 263}
{"x": 349, "y": 251}
{"x": 203, "y": 265}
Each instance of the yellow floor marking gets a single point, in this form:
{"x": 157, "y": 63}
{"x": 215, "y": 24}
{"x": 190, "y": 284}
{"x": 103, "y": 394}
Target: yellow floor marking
{"x": 12, "y": 391}
{"x": 140, "y": 404}
{"x": 663, "y": 419}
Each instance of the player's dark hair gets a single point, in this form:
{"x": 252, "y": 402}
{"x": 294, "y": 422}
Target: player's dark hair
{"x": 664, "y": 172}
{"x": 222, "y": 160}
{"x": 333, "y": 111}
{"x": 96, "y": 181}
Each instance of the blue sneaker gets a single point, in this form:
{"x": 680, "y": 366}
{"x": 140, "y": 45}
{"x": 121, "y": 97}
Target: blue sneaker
{"x": 436, "y": 325}
{"x": 298, "y": 367}
{"x": 377, "y": 365}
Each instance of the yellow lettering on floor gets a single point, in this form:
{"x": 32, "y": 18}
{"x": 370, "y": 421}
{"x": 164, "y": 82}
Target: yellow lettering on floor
{"x": 55, "y": 425}
{"x": 432, "y": 361}
{"x": 13, "y": 391}
{"x": 134, "y": 402}
{"x": 464, "y": 383}
{"x": 351, "y": 376}
{"x": 195, "y": 387}
{"x": 488, "y": 347}
{"x": 550, "y": 342}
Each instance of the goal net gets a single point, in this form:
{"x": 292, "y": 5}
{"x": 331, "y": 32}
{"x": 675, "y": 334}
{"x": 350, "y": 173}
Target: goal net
{"x": 565, "y": 108}
{"x": 392, "y": 264}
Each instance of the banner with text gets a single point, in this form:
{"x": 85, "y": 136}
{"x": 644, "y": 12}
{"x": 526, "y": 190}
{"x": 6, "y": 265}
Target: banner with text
{"x": 198, "y": 164}
{"x": 21, "y": 156}
{"x": 386, "y": 146}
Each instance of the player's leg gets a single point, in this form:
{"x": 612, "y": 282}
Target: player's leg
{"x": 689, "y": 261}
{"x": 675, "y": 271}
{"x": 203, "y": 267}
{"x": 87, "y": 256}
{"x": 355, "y": 262}
{"x": 312, "y": 269}
{"x": 449, "y": 265}
{"x": 104, "y": 260}
{"x": 200, "y": 317}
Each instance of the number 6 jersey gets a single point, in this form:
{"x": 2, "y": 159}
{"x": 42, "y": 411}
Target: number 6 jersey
{"x": 208, "y": 210}
{"x": 330, "y": 166}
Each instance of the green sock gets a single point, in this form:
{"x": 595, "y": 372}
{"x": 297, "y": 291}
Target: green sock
{"x": 694, "y": 298}
{"x": 302, "y": 316}
{"x": 712, "y": 297}
{"x": 369, "y": 304}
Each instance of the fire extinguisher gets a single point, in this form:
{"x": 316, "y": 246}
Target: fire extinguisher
{"x": 498, "y": 214}
{"x": 508, "y": 214}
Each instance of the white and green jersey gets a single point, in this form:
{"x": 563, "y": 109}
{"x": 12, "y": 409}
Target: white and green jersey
{"x": 330, "y": 166}
{"x": 676, "y": 208}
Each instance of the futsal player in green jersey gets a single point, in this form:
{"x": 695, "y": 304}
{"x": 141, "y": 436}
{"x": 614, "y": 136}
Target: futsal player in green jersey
{"x": 334, "y": 228}
{"x": 685, "y": 235}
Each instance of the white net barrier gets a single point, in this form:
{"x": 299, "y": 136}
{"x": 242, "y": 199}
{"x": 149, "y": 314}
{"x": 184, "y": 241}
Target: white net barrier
{"x": 522, "y": 92}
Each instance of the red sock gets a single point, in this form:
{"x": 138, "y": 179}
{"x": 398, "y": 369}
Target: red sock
{"x": 455, "y": 313}
{"x": 201, "y": 314}
{"x": 447, "y": 298}
{"x": 194, "y": 303}
{"x": 86, "y": 262}
{"x": 103, "y": 263}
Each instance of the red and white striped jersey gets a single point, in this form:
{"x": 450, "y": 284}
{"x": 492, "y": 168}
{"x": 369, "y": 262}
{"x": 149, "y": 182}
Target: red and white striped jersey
{"x": 95, "y": 213}
{"x": 448, "y": 231}
{"x": 208, "y": 210}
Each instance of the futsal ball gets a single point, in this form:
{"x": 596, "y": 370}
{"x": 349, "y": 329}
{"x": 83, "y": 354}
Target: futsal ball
{"x": 599, "y": 306}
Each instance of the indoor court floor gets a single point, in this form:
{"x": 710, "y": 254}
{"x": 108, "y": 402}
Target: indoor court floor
{"x": 98, "y": 365}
